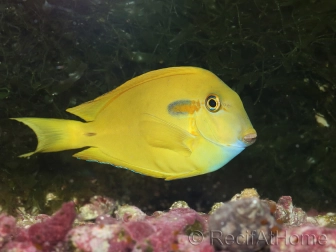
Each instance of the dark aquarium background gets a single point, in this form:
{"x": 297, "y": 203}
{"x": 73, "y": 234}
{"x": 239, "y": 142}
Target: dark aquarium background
{"x": 279, "y": 55}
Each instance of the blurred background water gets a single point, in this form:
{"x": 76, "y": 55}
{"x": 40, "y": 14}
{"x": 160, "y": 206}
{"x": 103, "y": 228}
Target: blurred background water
{"x": 280, "y": 57}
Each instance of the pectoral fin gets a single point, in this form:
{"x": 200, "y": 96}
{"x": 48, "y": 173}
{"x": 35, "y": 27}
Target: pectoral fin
{"x": 162, "y": 134}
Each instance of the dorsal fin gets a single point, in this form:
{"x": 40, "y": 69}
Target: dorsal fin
{"x": 89, "y": 110}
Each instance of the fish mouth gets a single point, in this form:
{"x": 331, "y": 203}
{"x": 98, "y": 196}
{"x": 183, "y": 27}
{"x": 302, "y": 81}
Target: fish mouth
{"x": 245, "y": 141}
{"x": 250, "y": 138}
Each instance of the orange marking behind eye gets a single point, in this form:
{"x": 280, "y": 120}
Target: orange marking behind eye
{"x": 184, "y": 107}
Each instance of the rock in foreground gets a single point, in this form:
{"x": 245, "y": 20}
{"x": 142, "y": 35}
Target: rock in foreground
{"x": 245, "y": 223}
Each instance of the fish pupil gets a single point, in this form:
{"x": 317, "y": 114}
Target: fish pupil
{"x": 212, "y": 103}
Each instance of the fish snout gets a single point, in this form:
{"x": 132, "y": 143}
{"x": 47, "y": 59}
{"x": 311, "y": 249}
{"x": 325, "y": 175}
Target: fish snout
{"x": 250, "y": 138}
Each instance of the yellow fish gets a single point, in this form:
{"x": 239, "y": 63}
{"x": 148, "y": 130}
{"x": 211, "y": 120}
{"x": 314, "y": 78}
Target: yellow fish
{"x": 170, "y": 123}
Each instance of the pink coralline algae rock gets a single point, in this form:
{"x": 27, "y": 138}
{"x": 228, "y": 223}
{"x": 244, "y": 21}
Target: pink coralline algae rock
{"x": 100, "y": 238}
{"x": 47, "y": 234}
{"x": 7, "y": 228}
{"x": 139, "y": 230}
{"x": 106, "y": 219}
{"x": 167, "y": 226}
{"x": 181, "y": 229}
{"x": 187, "y": 243}
{"x": 301, "y": 233}
{"x": 305, "y": 238}
{"x": 20, "y": 243}
{"x": 42, "y": 236}
{"x": 157, "y": 233}
{"x": 288, "y": 214}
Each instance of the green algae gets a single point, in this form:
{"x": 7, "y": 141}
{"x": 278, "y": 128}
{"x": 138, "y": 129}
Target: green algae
{"x": 195, "y": 227}
{"x": 327, "y": 220}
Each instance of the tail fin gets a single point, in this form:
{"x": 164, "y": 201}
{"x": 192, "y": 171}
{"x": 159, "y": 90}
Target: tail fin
{"x": 54, "y": 134}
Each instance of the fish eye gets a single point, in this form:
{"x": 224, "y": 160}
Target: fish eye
{"x": 212, "y": 103}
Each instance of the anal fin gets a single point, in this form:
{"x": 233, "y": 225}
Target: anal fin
{"x": 94, "y": 154}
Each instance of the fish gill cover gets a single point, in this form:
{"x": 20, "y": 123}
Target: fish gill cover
{"x": 279, "y": 56}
